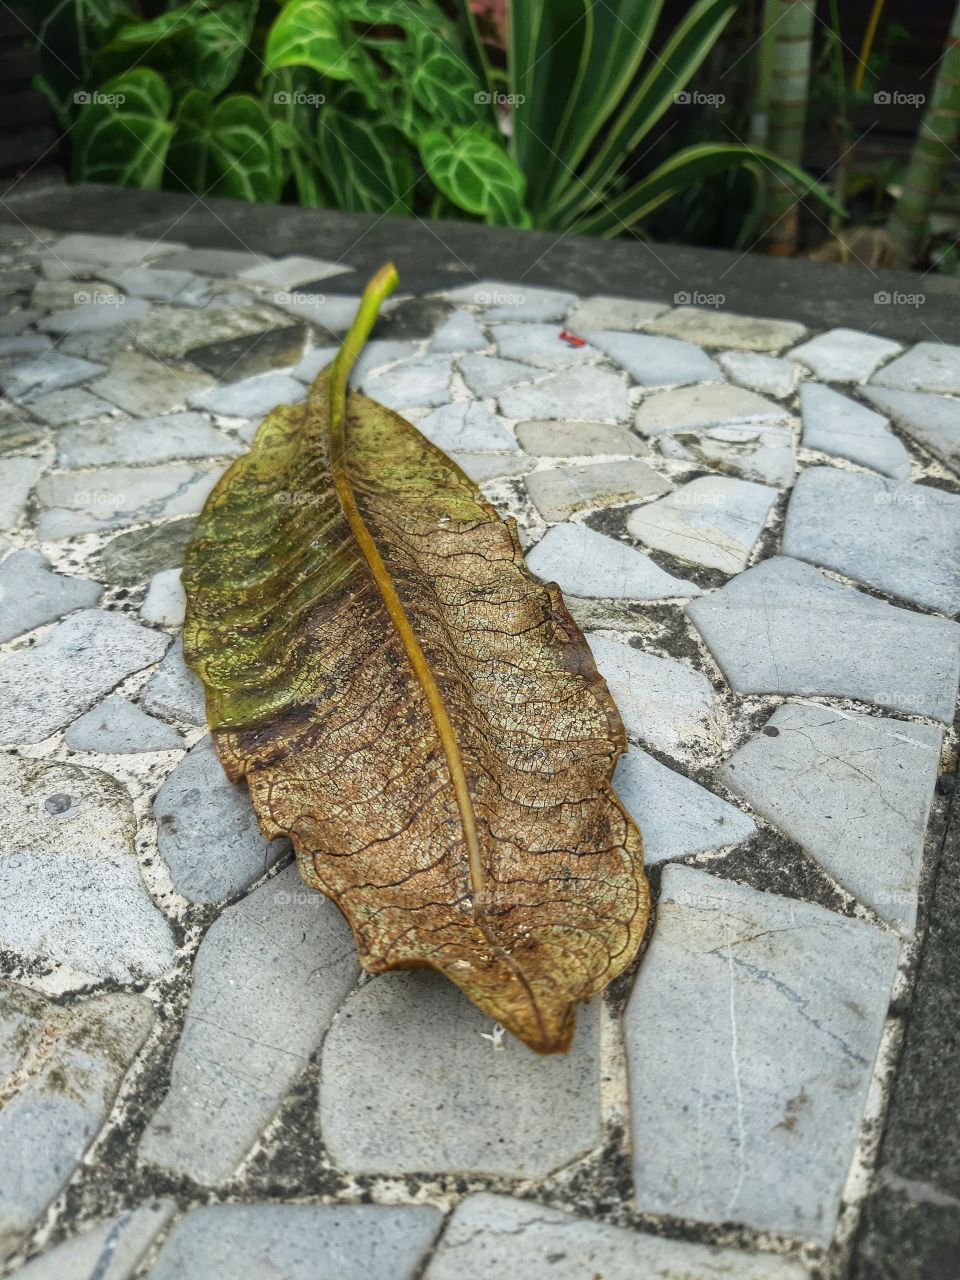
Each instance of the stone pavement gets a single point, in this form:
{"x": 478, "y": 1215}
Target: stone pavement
{"x": 758, "y": 527}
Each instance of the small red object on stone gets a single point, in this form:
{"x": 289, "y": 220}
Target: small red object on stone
{"x": 571, "y": 339}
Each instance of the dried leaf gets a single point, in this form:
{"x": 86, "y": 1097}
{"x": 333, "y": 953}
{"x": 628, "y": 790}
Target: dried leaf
{"x": 413, "y": 709}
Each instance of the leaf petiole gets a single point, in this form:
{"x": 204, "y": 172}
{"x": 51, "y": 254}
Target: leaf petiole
{"x": 374, "y": 295}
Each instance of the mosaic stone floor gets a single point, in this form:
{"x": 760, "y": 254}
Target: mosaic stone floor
{"x": 757, "y": 527}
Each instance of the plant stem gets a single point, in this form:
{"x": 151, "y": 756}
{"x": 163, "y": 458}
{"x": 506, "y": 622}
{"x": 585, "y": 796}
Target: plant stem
{"x": 789, "y": 88}
{"x": 377, "y": 291}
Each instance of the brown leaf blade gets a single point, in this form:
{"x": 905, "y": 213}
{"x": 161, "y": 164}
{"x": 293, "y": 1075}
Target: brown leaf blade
{"x": 417, "y": 713}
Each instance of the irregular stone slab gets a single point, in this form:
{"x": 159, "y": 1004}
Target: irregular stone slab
{"x": 603, "y": 311}
{"x": 838, "y": 425}
{"x": 376, "y": 355}
{"x": 63, "y": 295}
{"x": 491, "y": 1235}
{"x": 656, "y": 361}
{"x": 24, "y": 344}
{"x": 110, "y": 497}
{"x": 664, "y": 703}
{"x": 540, "y": 344}
{"x": 421, "y": 382}
{"x": 289, "y": 272}
{"x": 844, "y": 355}
{"x": 491, "y": 466}
{"x": 414, "y": 1041}
{"x": 173, "y": 331}
{"x": 769, "y": 375}
{"x": 143, "y": 387}
{"x": 100, "y": 347}
{"x": 467, "y": 425}
{"x": 695, "y": 407}
{"x": 114, "y": 251}
{"x": 267, "y": 979}
{"x": 902, "y": 538}
{"x": 459, "y": 332}
{"x": 577, "y": 439}
{"x": 70, "y": 885}
{"x": 586, "y": 563}
{"x": 489, "y": 375}
{"x": 81, "y": 659}
{"x": 758, "y": 452}
{"x": 929, "y": 366}
{"x": 32, "y": 594}
{"x": 63, "y": 1067}
{"x": 234, "y": 358}
{"x": 932, "y": 420}
{"x": 174, "y": 692}
{"x": 782, "y": 627}
{"x": 504, "y": 300}
{"x": 159, "y": 286}
{"x": 712, "y": 328}
{"x": 131, "y": 557}
{"x": 73, "y": 405}
{"x": 677, "y": 817}
{"x": 764, "y": 1050}
{"x": 713, "y": 521}
{"x": 855, "y": 791}
{"x": 331, "y": 312}
{"x": 299, "y": 1242}
{"x": 313, "y": 362}
{"x": 109, "y": 1251}
{"x": 16, "y": 321}
{"x": 580, "y": 393}
{"x": 166, "y": 600}
{"x": 251, "y": 397}
{"x": 94, "y": 316}
{"x": 213, "y": 262}
{"x": 163, "y": 439}
{"x": 561, "y": 491}
{"x": 35, "y": 376}
{"x": 117, "y": 727}
{"x": 17, "y": 478}
{"x": 206, "y": 830}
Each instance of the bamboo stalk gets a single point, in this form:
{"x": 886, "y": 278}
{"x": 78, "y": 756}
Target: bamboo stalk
{"x": 793, "y": 22}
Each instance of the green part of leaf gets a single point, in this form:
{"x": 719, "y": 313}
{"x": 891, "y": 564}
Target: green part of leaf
{"x": 314, "y": 33}
{"x": 471, "y": 168}
{"x": 368, "y": 165}
{"x": 122, "y": 136}
{"x": 228, "y": 150}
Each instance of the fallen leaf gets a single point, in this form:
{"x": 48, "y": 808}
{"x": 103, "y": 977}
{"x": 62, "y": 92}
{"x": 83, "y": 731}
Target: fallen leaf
{"x": 408, "y": 704}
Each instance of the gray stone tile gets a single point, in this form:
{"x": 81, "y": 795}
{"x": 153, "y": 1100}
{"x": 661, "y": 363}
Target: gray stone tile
{"x": 144, "y": 387}
{"x": 17, "y": 435}
{"x": 467, "y": 425}
{"x": 844, "y": 355}
{"x": 101, "y": 347}
{"x": 268, "y": 978}
{"x": 131, "y": 557}
{"x": 554, "y": 439}
{"x": 664, "y": 703}
{"x": 579, "y": 393}
{"x": 767, "y": 375}
{"x": 17, "y": 478}
{"x": 560, "y": 492}
{"x": 377, "y": 355}
{"x": 481, "y": 467}
{"x": 656, "y": 361}
{"x": 24, "y": 344}
{"x": 603, "y": 311}
{"x": 32, "y": 594}
{"x": 854, "y": 791}
{"x": 103, "y": 311}
{"x": 489, "y": 375}
{"x": 117, "y": 727}
{"x": 459, "y": 332}
{"x": 491, "y": 1235}
{"x": 71, "y": 892}
{"x": 110, "y": 497}
{"x": 761, "y": 452}
{"x": 696, "y": 407}
{"x": 173, "y": 331}
{"x": 713, "y": 521}
{"x": 110, "y": 1250}
{"x": 79, "y": 1054}
{"x": 173, "y": 692}
{"x": 676, "y": 816}
{"x": 35, "y": 376}
{"x": 159, "y": 286}
{"x": 422, "y": 382}
{"x": 586, "y": 563}
{"x": 166, "y": 601}
{"x": 213, "y": 262}
{"x": 332, "y": 313}
{"x": 504, "y": 300}
{"x": 251, "y": 397}
{"x": 74, "y": 405}
{"x": 16, "y": 321}
{"x": 299, "y": 1242}
{"x": 313, "y": 362}
{"x": 929, "y": 366}
{"x": 764, "y": 1050}
{"x": 541, "y": 345}
{"x": 414, "y": 1041}
{"x": 835, "y": 424}
{"x": 63, "y": 674}
{"x": 143, "y": 440}
{"x": 932, "y": 420}
{"x": 207, "y": 833}
{"x": 711, "y": 327}
{"x": 901, "y": 538}
{"x": 251, "y": 353}
{"x": 61, "y": 295}
{"x": 114, "y": 251}
{"x": 782, "y": 627}
{"x": 290, "y": 272}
